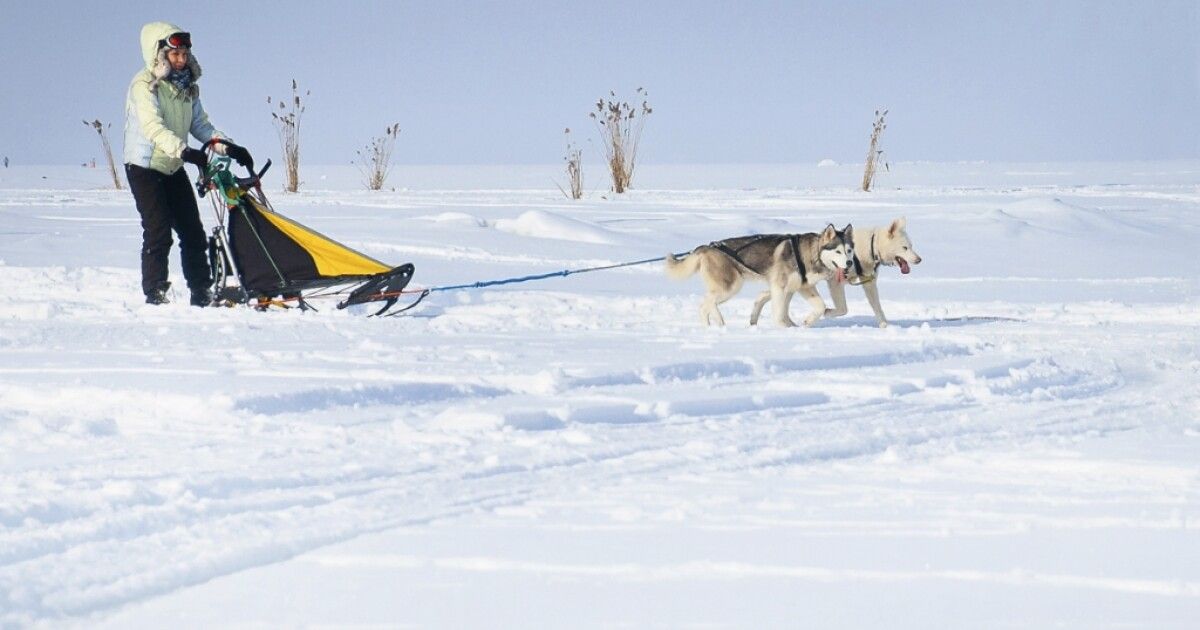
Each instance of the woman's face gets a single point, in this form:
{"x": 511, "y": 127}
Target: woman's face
{"x": 178, "y": 58}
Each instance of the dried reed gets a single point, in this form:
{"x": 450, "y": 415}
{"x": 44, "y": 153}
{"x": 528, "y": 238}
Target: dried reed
{"x": 287, "y": 125}
{"x": 874, "y": 153}
{"x": 620, "y": 132}
{"x": 574, "y": 160}
{"x": 375, "y": 159}
{"x": 100, "y": 128}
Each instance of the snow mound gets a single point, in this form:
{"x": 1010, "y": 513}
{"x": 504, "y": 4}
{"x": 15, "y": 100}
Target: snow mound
{"x": 739, "y": 225}
{"x": 827, "y": 163}
{"x": 1055, "y": 215}
{"x": 461, "y": 218}
{"x": 542, "y": 224}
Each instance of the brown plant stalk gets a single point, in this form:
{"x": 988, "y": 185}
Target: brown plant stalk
{"x": 375, "y": 160}
{"x": 620, "y": 132}
{"x": 287, "y": 126}
{"x": 874, "y": 153}
{"x": 574, "y": 160}
{"x": 101, "y": 129}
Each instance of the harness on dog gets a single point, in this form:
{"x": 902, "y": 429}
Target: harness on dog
{"x": 733, "y": 253}
{"x": 860, "y": 277}
{"x": 795, "y": 239}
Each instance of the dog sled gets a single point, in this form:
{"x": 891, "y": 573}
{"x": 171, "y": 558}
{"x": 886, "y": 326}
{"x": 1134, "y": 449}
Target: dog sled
{"x": 265, "y": 259}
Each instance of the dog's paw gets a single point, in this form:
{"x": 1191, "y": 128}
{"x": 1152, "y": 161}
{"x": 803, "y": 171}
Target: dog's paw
{"x": 833, "y": 312}
{"x": 809, "y": 321}
{"x": 883, "y": 324}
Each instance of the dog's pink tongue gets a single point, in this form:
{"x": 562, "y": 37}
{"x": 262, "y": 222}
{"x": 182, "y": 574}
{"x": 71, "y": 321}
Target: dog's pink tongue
{"x": 841, "y": 275}
{"x": 903, "y": 264}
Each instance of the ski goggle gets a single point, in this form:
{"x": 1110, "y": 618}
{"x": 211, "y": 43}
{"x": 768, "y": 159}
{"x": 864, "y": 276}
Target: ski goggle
{"x": 176, "y": 40}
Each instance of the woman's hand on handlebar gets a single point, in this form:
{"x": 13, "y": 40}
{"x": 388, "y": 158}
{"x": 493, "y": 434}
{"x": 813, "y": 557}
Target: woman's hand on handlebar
{"x": 236, "y": 152}
{"x": 240, "y": 155}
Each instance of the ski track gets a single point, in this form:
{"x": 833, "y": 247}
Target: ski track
{"x": 274, "y": 516}
{"x": 288, "y": 433}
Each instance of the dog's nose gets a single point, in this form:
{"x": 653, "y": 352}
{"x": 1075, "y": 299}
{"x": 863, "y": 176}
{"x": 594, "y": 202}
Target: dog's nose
{"x": 917, "y": 261}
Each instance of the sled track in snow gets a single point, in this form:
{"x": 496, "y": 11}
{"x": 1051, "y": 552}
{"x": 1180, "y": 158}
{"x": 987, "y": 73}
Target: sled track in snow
{"x": 641, "y": 422}
{"x": 146, "y": 450}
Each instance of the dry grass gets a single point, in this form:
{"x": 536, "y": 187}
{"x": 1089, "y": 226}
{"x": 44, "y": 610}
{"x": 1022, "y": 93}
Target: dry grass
{"x": 287, "y": 125}
{"x": 574, "y": 160}
{"x": 874, "y": 153}
{"x": 101, "y": 129}
{"x": 620, "y": 132}
{"x": 375, "y": 159}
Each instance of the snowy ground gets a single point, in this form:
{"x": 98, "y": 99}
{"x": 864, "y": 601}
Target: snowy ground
{"x": 1019, "y": 449}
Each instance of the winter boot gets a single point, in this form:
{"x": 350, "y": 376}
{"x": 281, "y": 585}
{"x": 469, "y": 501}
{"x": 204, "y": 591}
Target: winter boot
{"x": 201, "y": 297}
{"x": 158, "y": 295}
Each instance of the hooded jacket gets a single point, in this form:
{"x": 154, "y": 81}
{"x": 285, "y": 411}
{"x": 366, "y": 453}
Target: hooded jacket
{"x": 158, "y": 115}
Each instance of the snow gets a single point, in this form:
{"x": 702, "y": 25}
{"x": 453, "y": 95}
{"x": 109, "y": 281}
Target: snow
{"x": 543, "y": 224}
{"x": 1019, "y": 448}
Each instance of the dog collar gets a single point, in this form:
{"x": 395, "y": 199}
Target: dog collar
{"x": 858, "y": 268}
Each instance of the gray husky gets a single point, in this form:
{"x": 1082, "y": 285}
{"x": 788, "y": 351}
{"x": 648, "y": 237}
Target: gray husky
{"x": 874, "y": 247}
{"x": 788, "y": 263}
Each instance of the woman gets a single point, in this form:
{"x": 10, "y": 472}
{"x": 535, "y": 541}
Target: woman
{"x": 161, "y": 109}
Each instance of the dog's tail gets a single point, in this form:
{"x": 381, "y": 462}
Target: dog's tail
{"x": 682, "y": 268}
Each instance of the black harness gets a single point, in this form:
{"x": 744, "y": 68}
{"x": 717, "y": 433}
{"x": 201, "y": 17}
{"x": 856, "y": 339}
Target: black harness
{"x": 858, "y": 270}
{"x": 733, "y": 253}
{"x": 794, "y": 239}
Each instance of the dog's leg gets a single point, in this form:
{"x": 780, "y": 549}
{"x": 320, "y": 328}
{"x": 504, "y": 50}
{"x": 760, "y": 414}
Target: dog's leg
{"x": 814, "y": 300}
{"x": 709, "y": 313}
{"x": 837, "y": 291}
{"x": 787, "y": 306}
{"x": 780, "y": 298}
{"x": 716, "y": 311}
{"x": 872, "y": 292}
{"x": 762, "y": 300}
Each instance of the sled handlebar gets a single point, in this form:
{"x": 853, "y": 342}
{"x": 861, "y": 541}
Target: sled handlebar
{"x": 211, "y": 145}
{"x": 214, "y": 141}
{"x": 243, "y": 182}
{"x": 255, "y": 178}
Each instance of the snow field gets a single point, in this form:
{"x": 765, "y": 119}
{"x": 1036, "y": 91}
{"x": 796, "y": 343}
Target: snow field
{"x": 1018, "y": 447}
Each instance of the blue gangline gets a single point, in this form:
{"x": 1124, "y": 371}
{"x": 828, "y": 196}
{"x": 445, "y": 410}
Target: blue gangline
{"x": 541, "y": 276}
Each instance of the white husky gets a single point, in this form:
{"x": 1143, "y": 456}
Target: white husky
{"x": 874, "y": 247}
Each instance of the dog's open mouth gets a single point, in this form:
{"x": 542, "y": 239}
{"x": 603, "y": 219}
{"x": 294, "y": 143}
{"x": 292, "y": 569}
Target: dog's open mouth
{"x": 903, "y": 264}
{"x": 840, "y": 274}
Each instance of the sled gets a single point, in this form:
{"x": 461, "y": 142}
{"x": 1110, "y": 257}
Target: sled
{"x": 266, "y": 259}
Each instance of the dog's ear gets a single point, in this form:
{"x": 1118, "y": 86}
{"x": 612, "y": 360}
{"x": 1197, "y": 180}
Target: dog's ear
{"x": 849, "y": 232}
{"x": 829, "y": 234}
{"x": 896, "y": 226}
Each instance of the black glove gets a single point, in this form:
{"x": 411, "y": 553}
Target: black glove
{"x": 194, "y": 156}
{"x": 240, "y": 155}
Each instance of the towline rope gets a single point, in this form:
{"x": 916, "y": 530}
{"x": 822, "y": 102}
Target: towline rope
{"x": 562, "y": 273}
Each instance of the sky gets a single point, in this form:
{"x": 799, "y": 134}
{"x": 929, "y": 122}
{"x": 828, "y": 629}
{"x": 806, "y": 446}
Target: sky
{"x": 729, "y": 82}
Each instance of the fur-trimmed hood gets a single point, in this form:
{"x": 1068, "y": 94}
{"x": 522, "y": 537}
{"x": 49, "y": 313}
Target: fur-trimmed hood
{"x": 156, "y": 59}
{"x": 158, "y": 116}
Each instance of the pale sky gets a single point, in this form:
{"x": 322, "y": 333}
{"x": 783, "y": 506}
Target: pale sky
{"x": 747, "y": 82}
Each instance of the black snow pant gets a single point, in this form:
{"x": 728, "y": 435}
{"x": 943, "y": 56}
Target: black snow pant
{"x": 167, "y": 202}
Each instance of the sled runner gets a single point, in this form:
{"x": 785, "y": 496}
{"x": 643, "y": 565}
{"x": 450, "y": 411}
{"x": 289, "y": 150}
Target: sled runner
{"x": 262, "y": 257}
